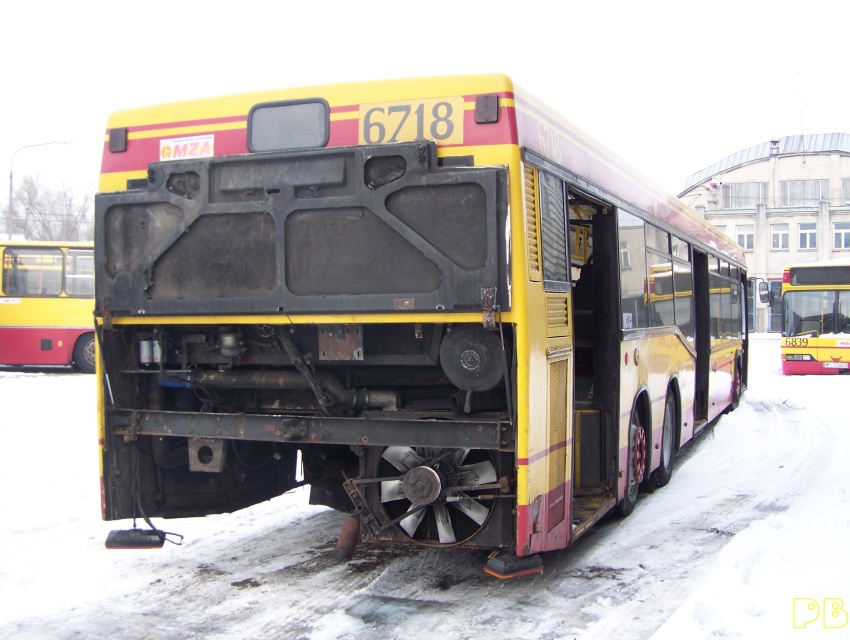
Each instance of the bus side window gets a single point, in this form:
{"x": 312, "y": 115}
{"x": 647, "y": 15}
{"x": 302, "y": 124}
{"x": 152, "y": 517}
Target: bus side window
{"x": 11, "y": 277}
{"x": 553, "y": 232}
{"x": 843, "y": 312}
{"x": 33, "y": 272}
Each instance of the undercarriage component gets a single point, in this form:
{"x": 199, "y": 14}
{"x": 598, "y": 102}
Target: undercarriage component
{"x": 471, "y": 357}
{"x": 347, "y": 541}
{"x": 511, "y": 566}
{"x": 206, "y": 454}
{"x": 437, "y": 496}
{"x": 356, "y": 399}
{"x": 135, "y": 539}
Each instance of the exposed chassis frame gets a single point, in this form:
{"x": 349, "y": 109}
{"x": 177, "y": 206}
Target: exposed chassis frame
{"x": 370, "y": 429}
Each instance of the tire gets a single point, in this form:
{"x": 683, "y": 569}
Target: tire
{"x": 636, "y": 464}
{"x": 737, "y": 385}
{"x": 668, "y": 441}
{"x": 84, "y": 353}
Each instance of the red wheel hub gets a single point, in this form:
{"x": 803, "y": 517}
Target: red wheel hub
{"x": 639, "y": 453}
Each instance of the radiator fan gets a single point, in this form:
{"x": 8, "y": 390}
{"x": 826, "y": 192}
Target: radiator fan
{"x": 439, "y": 489}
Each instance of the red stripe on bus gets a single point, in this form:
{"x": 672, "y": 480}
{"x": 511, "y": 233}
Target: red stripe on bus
{"x": 176, "y": 124}
{"x": 542, "y": 454}
{"x": 142, "y": 151}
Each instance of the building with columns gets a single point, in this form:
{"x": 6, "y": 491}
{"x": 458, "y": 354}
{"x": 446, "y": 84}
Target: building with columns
{"x": 785, "y": 201}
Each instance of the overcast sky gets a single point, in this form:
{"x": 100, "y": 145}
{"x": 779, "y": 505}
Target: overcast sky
{"x": 671, "y": 87}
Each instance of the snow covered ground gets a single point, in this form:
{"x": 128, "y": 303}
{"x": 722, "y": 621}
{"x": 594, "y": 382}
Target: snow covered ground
{"x": 756, "y": 516}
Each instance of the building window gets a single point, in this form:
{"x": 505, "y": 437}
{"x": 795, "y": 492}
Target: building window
{"x": 720, "y": 227}
{"x": 745, "y": 236}
{"x": 744, "y": 195}
{"x": 841, "y": 235}
{"x": 845, "y": 190}
{"x": 779, "y": 236}
{"x": 802, "y": 193}
{"x": 808, "y": 235}
{"x": 625, "y": 260}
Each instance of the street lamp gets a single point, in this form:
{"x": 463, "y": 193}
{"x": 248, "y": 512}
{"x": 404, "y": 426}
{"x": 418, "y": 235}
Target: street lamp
{"x": 12, "y": 181}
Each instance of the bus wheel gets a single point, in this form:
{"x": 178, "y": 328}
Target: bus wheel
{"x": 84, "y": 354}
{"x": 636, "y": 465}
{"x": 665, "y": 469}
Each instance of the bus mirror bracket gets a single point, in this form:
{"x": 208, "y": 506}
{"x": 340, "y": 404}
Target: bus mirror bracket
{"x": 765, "y": 294}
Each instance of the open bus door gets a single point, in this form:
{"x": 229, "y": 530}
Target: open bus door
{"x": 703, "y": 336}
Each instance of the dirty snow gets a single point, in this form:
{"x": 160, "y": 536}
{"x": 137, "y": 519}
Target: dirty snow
{"x": 756, "y": 516}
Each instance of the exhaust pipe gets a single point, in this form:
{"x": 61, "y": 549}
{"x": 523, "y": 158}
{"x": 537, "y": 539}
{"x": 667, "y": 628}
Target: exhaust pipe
{"x": 357, "y": 399}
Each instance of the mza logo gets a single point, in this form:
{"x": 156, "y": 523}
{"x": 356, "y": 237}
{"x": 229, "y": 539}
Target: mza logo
{"x": 829, "y": 613}
{"x": 185, "y": 148}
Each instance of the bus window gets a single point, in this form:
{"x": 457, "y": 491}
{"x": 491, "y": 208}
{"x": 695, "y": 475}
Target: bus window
{"x": 288, "y": 125}
{"x": 843, "y": 319}
{"x": 661, "y": 296}
{"x": 79, "y": 273}
{"x": 657, "y": 239}
{"x": 633, "y": 276}
{"x": 807, "y": 312}
{"x": 553, "y": 231}
{"x": 683, "y": 286}
{"x": 32, "y": 272}
{"x": 681, "y": 249}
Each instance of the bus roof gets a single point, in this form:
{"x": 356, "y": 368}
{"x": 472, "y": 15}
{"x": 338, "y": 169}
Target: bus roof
{"x": 527, "y": 123}
{"x": 843, "y": 261}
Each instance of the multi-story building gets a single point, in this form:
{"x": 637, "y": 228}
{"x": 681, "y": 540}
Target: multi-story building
{"x": 785, "y": 201}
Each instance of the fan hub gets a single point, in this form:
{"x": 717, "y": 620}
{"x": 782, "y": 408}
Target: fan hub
{"x": 422, "y": 485}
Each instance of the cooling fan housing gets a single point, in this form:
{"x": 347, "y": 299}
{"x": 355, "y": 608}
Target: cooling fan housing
{"x": 440, "y": 497}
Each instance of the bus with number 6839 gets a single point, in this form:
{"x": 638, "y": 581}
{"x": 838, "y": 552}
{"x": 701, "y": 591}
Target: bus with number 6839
{"x": 816, "y": 318}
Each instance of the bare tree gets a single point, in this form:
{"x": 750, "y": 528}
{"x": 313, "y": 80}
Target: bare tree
{"x": 47, "y": 214}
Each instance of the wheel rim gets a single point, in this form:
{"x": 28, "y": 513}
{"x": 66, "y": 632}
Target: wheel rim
{"x": 637, "y": 453}
{"x": 88, "y": 352}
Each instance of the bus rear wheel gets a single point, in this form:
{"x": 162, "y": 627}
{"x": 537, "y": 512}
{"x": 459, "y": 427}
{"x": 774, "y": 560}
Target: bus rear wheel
{"x": 668, "y": 437}
{"x": 84, "y": 353}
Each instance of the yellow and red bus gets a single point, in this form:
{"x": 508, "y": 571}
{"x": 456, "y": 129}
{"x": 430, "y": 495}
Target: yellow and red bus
{"x": 46, "y": 304}
{"x": 428, "y": 294}
{"x": 816, "y": 318}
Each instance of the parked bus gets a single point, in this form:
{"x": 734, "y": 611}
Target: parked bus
{"x": 816, "y": 318}
{"x": 423, "y": 298}
{"x": 46, "y": 304}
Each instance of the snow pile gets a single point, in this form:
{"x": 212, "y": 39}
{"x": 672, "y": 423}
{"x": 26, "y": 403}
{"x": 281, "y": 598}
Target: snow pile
{"x": 757, "y": 515}
{"x": 801, "y": 554}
